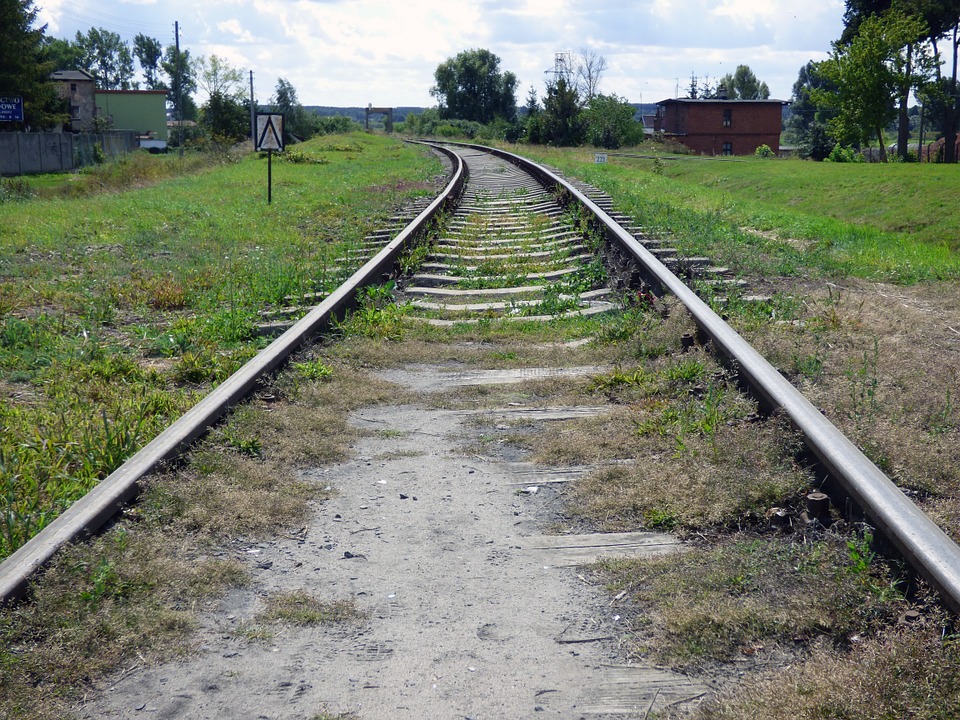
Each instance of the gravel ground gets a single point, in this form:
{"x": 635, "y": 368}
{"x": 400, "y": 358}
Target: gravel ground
{"x": 463, "y": 613}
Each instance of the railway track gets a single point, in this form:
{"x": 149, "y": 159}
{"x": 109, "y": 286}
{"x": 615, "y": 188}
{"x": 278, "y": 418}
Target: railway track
{"x": 514, "y": 247}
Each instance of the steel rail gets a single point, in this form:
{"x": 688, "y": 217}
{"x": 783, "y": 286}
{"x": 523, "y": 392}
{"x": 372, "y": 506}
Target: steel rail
{"x": 929, "y": 550}
{"x": 93, "y": 510}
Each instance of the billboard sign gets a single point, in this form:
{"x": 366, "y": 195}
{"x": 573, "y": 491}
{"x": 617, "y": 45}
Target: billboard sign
{"x": 11, "y": 109}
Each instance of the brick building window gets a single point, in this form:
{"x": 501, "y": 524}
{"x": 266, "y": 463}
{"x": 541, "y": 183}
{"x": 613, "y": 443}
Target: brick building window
{"x": 727, "y": 118}
{"x": 726, "y": 148}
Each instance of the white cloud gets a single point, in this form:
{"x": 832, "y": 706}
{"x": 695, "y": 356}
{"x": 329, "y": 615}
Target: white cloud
{"x": 234, "y": 28}
{"x": 351, "y": 52}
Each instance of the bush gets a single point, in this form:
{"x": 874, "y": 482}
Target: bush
{"x": 763, "y": 151}
{"x": 334, "y": 125}
{"x": 841, "y": 154}
{"x": 14, "y": 189}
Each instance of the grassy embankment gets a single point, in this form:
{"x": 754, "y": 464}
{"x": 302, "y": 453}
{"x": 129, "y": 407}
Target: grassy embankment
{"x": 126, "y": 292}
{"x": 881, "y": 222}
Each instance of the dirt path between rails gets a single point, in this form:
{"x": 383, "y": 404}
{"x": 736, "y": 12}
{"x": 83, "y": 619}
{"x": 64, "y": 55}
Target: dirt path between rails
{"x": 470, "y": 610}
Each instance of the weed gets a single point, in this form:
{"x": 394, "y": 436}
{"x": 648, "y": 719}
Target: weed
{"x": 744, "y": 594}
{"x": 314, "y": 370}
{"x": 300, "y": 608}
{"x": 244, "y": 444}
{"x": 864, "y": 384}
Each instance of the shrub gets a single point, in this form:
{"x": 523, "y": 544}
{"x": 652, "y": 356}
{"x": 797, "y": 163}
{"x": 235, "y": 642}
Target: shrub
{"x": 841, "y": 154}
{"x": 763, "y": 151}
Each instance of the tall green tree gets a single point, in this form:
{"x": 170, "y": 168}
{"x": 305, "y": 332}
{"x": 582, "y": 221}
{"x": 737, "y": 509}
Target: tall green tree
{"x": 225, "y": 113}
{"x": 216, "y": 76}
{"x": 64, "y": 54}
{"x": 107, "y": 58}
{"x": 24, "y": 68}
{"x": 939, "y": 18}
{"x": 808, "y": 119}
{"x": 867, "y": 75}
{"x": 224, "y": 116}
{"x": 471, "y": 86}
{"x": 149, "y": 53}
{"x": 610, "y": 122}
{"x": 533, "y": 122}
{"x": 562, "y": 119}
{"x": 181, "y": 72}
{"x": 296, "y": 120}
{"x": 743, "y": 84}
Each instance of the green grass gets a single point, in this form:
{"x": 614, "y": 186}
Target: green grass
{"x": 884, "y": 222}
{"x": 121, "y": 308}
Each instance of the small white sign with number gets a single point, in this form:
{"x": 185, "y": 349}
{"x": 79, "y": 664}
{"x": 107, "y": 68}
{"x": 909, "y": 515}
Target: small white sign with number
{"x": 600, "y": 158}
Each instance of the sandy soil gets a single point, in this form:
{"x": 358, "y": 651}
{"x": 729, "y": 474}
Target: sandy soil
{"x": 466, "y": 613}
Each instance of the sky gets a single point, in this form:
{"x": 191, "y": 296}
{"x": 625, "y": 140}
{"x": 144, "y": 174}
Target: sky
{"x": 350, "y": 53}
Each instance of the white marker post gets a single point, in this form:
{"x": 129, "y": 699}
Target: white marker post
{"x": 269, "y": 138}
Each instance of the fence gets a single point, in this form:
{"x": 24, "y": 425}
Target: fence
{"x": 31, "y": 153}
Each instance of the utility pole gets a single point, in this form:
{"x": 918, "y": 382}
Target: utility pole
{"x": 179, "y": 70}
{"x": 253, "y": 114}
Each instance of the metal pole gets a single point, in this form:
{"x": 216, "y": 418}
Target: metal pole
{"x": 253, "y": 114}
{"x": 179, "y": 71}
{"x": 269, "y": 176}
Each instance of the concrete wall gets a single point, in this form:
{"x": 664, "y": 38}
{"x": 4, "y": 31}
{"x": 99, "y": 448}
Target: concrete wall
{"x": 33, "y": 153}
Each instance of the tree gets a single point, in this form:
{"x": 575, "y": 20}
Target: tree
{"x": 744, "y": 85}
{"x": 942, "y": 101}
{"x": 216, "y": 76}
{"x": 534, "y": 122}
{"x": 948, "y": 89}
{"x": 701, "y": 88}
{"x": 867, "y": 74}
{"x": 224, "y": 116}
{"x": 149, "y": 52}
{"x": 107, "y": 58}
{"x": 808, "y": 119}
{"x": 181, "y": 71}
{"x": 64, "y": 55}
{"x": 589, "y": 67}
{"x": 25, "y": 68}
{"x": 225, "y": 113}
{"x": 610, "y": 122}
{"x": 472, "y": 87}
{"x": 938, "y": 17}
{"x": 296, "y": 120}
{"x": 562, "y": 118}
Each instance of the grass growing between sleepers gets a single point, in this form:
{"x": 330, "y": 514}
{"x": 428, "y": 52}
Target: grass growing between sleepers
{"x": 132, "y": 595}
{"x": 125, "y": 298}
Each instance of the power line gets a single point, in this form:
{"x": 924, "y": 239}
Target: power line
{"x": 125, "y": 27}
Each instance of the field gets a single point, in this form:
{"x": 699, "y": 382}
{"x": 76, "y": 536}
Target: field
{"x": 123, "y": 307}
{"x": 127, "y": 292}
{"x": 879, "y": 222}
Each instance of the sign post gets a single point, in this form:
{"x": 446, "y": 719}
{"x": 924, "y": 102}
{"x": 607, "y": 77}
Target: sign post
{"x": 11, "y": 109}
{"x": 269, "y": 138}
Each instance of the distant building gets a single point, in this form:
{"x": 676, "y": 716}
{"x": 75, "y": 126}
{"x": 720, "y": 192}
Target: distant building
{"x": 722, "y": 127}
{"x": 76, "y": 87}
{"x": 143, "y": 111}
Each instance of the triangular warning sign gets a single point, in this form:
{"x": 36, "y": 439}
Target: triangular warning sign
{"x": 269, "y": 132}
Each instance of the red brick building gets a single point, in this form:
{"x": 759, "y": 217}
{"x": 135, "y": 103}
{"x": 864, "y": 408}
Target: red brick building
{"x": 722, "y": 127}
